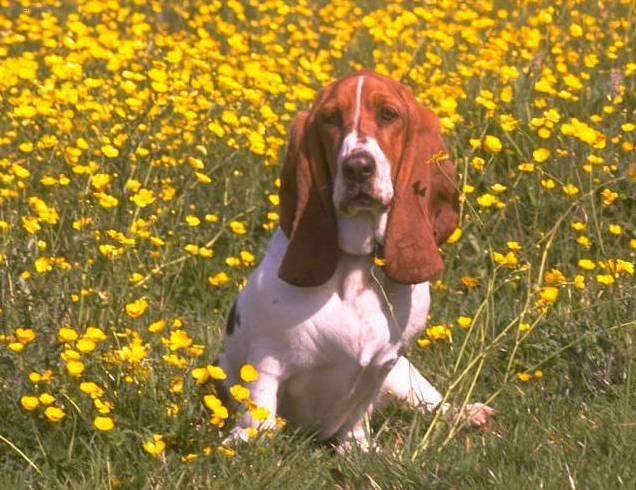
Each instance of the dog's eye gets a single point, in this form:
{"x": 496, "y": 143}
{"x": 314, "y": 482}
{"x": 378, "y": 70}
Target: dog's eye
{"x": 388, "y": 115}
{"x": 332, "y": 118}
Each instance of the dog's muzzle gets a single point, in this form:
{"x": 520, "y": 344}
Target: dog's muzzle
{"x": 359, "y": 172}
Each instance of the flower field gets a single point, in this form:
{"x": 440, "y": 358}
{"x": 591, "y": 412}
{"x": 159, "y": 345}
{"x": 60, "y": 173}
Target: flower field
{"x": 140, "y": 145}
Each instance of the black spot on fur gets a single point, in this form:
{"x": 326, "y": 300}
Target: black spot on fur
{"x": 233, "y": 320}
{"x": 418, "y": 189}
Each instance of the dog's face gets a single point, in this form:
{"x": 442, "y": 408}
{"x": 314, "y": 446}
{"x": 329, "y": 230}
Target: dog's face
{"x": 361, "y": 127}
{"x": 366, "y": 146}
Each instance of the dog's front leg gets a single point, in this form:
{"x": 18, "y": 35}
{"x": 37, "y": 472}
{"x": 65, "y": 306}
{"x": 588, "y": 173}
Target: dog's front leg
{"x": 406, "y": 383}
{"x": 262, "y": 405}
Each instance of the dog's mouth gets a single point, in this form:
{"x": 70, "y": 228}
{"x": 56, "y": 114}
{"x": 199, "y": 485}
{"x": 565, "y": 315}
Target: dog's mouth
{"x": 358, "y": 200}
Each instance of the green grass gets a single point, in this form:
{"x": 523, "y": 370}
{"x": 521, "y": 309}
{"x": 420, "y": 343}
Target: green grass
{"x": 179, "y": 104}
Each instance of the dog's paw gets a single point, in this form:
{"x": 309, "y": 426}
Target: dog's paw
{"x": 237, "y": 435}
{"x": 479, "y": 414}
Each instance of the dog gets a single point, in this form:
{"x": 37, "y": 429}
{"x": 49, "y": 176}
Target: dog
{"x": 366, "y": 180}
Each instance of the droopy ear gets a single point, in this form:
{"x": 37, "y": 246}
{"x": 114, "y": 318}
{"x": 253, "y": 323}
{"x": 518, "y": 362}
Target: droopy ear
{"x": 307, "y": 215}
{"x": 424, "y": 211}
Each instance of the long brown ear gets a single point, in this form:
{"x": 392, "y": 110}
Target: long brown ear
{"x": 307, "y": 215}
{"x": 424, "y": 211}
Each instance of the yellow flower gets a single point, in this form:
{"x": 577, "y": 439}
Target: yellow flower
{"x": 200, "y": 375}
{"x": 608, "y": 196}
{"x": 179, "y": 339}
{"x": 157, "y": 326}
{"x": 524, "y": 326}
{"x": 85, "y": 345}
{"x": 192, "y": 220}
{"x": 75, "y": 368}
{"x": 91, "y": 389}
{"x": 248, "y": 373}
{"x": 239, "y": 393}
{"x": 137, "y": 308}
{"x": 509, "y": 260}
{"x": 54, "y": 414}
{"x": 438, "y": 332}
{"x": 219, "y": 279}
{"x": 455, "y": 236}
{"x": 554, "y": 276}
{"x": 487, "y": 200}
{"x": 578, "y": 226}
{"x": 492, "y": 144}
{"x": 464, "y": 321}
{"x": 110, "y": 151}
{"x": 423, "y": 342}
{"x": 212, "y": 402}
{"x": 247, "y": 257}
{"x": 259, "y": 414}
{"x": 624, "y": 266}
{"x": 586, "y": 264}
{"x": 238, "y": 227}
{"x": 133, "y": 185}
{"x": 524, "y": 377}
{"x": 144, "y": 197}
{"x": 191, "y": 248}
{"x": 202, "y": 178}
{"x": 540, "y": 155}
{"x": 106, "y": 201}
{"x": 100, "y": 181}
{"x": 176, "y": 385}
{"x": 232, "y": 261}
{"x": 579, "y": 282}
{"x": 67, "y": 334}
{"x": 135, "y": 277}
{"x": 175, "y": 360}
{"x": 29, "y": 403}
{"x": 227, "y": 452}
{"x": 155, "y": 446}
{"x": 605, "y": 279}
{"x": 46, "y": 399}
{"x": 570, "y": 189}
{"x": 548, "y": 295}
{"x": 16, "y": 347}
{"x": 103, "y": 424}
{"x": 216, "y": 372}
{"x": 102, "y": 407}
{"x": 470, "y": 281}
{"x": 95, "y": 334}
{"x": 30, "y": 224}
{"x": 615, "y": 229}
{"x": 230, "y": 118}
{"x": 25, "y": 335}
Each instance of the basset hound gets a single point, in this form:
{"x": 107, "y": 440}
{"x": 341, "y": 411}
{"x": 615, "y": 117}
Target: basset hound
{"x": 366, "y": 174}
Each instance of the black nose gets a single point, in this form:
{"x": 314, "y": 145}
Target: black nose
{"x": 358, "y": 167}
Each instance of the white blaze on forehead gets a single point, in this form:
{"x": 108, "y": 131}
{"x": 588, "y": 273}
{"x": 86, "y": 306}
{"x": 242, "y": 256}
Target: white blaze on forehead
{"x": 356, "y": 118}
{"x": 351, "y": 141}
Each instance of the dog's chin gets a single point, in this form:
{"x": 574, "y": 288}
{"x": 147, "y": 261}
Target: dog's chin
{"x": 361, "y": 202}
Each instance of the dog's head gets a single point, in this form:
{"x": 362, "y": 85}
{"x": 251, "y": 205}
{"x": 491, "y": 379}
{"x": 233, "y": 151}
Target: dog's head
{"x": 366, "y": 146}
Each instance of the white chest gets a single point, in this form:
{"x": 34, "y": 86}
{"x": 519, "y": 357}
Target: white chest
{"x": 329, "y": 347}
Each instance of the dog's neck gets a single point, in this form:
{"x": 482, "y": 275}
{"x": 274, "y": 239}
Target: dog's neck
{"x": 361, "y": 233}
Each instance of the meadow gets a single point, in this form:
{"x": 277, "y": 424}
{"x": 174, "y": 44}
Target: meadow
{"x": 140, "y": 144}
